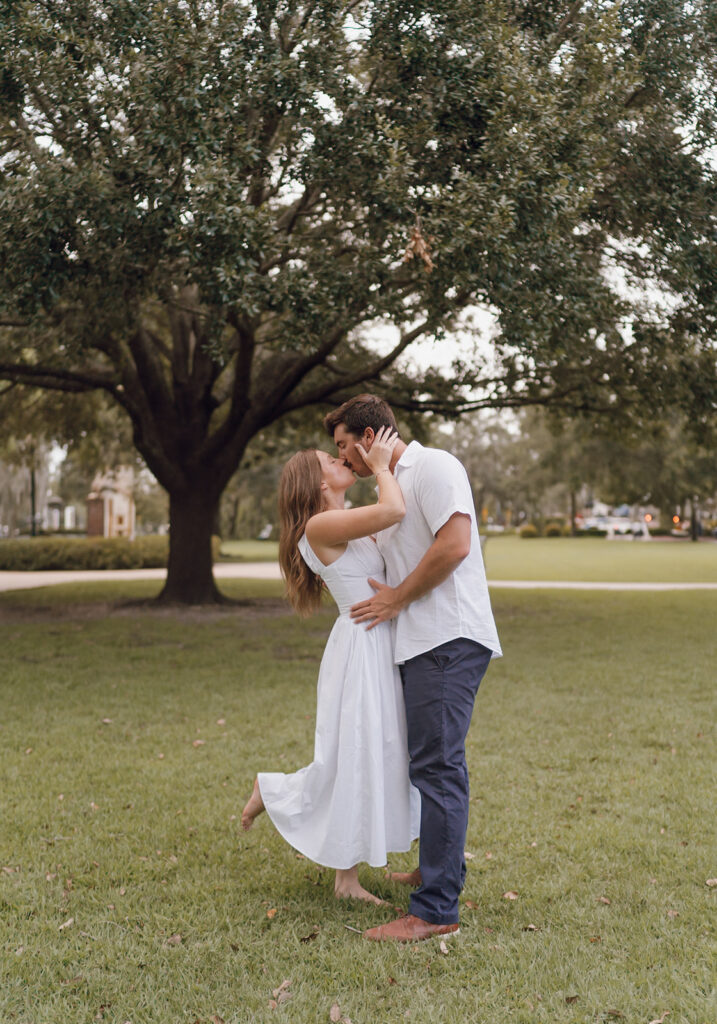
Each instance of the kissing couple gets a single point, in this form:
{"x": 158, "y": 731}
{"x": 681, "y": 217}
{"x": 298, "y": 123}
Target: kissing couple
{"x": 402, "y": 665}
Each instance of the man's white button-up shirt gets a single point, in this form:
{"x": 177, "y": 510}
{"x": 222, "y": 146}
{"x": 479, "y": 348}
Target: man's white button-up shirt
{"x": 435, "y": 486}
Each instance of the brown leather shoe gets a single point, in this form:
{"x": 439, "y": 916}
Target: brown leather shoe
{"x": 409, "y": 928}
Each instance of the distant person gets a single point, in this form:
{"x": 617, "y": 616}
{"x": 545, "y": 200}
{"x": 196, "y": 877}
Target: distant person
{"x": 354, "y": 803}
{"x": 444, "y": 638}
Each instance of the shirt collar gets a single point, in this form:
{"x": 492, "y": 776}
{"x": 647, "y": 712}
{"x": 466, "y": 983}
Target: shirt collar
{"x": 410, "y": 455}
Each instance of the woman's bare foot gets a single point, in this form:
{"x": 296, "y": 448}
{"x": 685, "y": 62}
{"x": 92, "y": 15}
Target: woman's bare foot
{"x": 255, "y": 805}
{"x": 347, "y": 886}
{"x": 412, "y": 878}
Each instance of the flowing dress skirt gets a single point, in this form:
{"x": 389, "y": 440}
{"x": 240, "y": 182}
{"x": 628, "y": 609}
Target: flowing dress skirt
{"x": 354, "y": 803}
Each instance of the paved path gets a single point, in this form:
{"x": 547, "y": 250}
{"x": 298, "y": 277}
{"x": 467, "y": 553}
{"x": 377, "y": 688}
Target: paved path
{"x": 270, "y": 571}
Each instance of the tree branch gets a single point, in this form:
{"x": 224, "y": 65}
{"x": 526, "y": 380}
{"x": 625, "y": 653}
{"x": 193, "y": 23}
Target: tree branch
{"x": 322, "y": 392}
{"x": 561, "y": 32}
{"x": 57, "y": 378}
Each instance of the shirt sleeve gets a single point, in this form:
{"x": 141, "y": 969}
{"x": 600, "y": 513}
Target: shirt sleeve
{"x": 442, "y": 489}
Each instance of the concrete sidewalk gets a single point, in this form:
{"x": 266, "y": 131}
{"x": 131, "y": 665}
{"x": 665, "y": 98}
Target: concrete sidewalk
{"x": 270, "y": 571}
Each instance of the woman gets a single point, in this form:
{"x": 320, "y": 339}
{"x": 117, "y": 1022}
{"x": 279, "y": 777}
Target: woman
{"x": 354, "y": 802}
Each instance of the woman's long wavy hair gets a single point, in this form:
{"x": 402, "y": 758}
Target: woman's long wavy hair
{"x": 299, "y": 499}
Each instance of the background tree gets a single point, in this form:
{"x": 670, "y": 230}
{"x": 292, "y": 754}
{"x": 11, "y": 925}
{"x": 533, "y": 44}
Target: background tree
{"x": 208, "y": 208}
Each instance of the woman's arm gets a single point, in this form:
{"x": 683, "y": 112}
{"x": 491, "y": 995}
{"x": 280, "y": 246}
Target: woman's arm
{"x": 334, "y": 528}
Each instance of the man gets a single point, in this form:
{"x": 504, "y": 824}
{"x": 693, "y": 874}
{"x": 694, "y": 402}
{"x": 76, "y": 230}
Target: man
{"x": 445, "y": 637}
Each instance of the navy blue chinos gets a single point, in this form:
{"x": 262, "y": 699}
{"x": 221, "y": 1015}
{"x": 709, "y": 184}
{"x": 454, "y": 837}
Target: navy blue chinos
{"x": 439, "y": 689}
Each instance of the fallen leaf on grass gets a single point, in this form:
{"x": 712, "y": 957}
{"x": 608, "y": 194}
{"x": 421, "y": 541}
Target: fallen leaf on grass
{"x": 711, "y": 882}
{"x": 530, "y": 928}
{"x": 271, "y": 913}
{"x": 221, "y": 721}
{"x": 72, "y": 981}
{"x": 468, "y": 856}
{"x": 661, "y": 1020}
{"x": 510, "y": 895}
{"x": 603, "y": 899}
{"x": 443, "y": 948}
{"x": 68, "y": 922}
{"x": 673, "y": 913}
{"x": 198, "y": 743}
{"x": 216, "y": 1019}
{"x": 280, "y": 994}
{"x": 10, "y": 871}
{"x": 28, "y": 750}
{"x": 107, "y": 721}
{"x": 174, "y": 940}
{"x": 311, "y": 936}
{"x": 470, "y": 905}
{"x": 392, "y": 981}
{"x": 571, "y": 999}
{"x": 336, "y": 1016}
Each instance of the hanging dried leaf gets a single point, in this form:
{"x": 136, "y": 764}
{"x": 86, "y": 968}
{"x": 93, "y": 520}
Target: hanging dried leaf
{"x": 419, "y": 247}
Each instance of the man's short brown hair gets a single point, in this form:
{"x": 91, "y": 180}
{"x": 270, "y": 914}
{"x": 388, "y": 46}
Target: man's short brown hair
{"x": 361, "y": 412}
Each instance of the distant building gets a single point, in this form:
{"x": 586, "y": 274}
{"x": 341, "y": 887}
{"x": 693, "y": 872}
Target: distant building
{"x": 110, "y": 504}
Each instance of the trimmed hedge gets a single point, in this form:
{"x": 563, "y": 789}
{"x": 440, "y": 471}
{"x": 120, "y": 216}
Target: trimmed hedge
{"x": 44, "y": 553}
{"x": 528, "y": 530}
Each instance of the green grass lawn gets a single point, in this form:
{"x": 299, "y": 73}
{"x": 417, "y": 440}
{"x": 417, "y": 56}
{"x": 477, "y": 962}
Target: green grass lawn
{"x": 592, "y": 559}
{"x": 249, "y": 550}
{"x": 595, "y": 559}
{"x": 130, "y": 736}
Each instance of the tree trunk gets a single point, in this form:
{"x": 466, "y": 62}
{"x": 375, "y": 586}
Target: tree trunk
{"x": 33, "y": 501}
{"x": 573, "y": 513}
{"x": 695, "y": 520}
{"x": 190, "y": 579}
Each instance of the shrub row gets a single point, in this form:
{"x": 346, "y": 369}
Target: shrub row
{"x": 43, "y": 553}
{"x": 550, "y": 530}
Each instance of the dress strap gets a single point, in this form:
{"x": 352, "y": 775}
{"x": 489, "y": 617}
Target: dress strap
{"x": 314, "y": 563}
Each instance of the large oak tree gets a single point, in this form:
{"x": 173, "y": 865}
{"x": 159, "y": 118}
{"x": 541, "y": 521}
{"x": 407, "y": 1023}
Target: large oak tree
{"x": 208, "y": 208}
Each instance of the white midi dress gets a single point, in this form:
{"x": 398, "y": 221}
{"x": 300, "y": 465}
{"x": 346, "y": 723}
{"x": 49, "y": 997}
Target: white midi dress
{"x": 354, "y": 803}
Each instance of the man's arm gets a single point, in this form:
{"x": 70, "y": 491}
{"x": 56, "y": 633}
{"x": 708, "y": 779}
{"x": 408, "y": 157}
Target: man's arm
{"x": 451, "y": 546}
